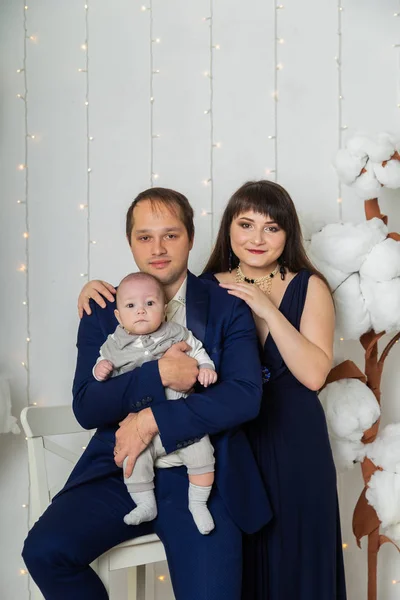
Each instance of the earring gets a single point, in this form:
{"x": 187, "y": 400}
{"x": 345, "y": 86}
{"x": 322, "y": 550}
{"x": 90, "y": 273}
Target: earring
{"x": 282, "y": 269}
{"x": 230, "y": 261}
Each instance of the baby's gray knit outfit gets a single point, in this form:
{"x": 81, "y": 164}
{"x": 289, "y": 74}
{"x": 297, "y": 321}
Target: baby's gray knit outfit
{"x": 128, "y": 351}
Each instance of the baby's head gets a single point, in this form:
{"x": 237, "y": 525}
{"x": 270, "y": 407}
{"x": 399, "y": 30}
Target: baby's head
{"x": 140, "y": 304}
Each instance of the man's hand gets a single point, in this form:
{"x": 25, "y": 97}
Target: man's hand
{"x": 134, "y": 434}
{"x": 103, "y": 369}
{"x": 177, "y": 370}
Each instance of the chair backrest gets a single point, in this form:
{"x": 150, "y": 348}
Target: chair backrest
{"x": 39, "y": 422}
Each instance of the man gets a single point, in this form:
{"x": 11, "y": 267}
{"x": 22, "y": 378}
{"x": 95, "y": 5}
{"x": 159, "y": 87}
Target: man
{"x": 86, "y": 518}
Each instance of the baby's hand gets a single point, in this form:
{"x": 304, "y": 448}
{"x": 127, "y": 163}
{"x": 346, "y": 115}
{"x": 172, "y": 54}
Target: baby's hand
{"x": 103, "y": 369}
{"x": 207, "y": 376}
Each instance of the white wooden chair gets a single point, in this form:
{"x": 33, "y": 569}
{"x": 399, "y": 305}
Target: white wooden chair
{"x": 39, "y": 423}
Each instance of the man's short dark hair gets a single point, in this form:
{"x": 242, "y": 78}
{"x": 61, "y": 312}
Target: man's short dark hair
{"x": 175, "y": 202}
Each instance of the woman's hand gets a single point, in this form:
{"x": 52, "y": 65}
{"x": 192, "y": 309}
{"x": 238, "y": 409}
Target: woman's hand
{"x": 255, "y": 298}
{"x": 93, "y": 289}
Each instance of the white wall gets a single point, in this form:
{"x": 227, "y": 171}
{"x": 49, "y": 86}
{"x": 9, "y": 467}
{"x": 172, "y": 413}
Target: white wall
{"x": 248, "y": 99}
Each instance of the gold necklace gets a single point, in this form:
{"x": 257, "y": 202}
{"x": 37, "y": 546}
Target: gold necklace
{"x": 264, "y": 283}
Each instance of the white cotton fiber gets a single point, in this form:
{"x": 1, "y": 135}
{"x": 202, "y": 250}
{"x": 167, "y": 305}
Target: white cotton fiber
{"x": 385, "y": 450}
{"x": 382, "y": 300}
{"x": 388, "y": 175}
{"x": 366, "y": 185}
{"x": 309, "y": 225}
{"x": 352, "y": 316}
{"x": 350, "y": 407}
{"x": 383, "y": 493}
{"x": 383, "y": 262}
{"x": 346, "y": 453}
{"x": 348, "y": 166}
{"x": 344, "y": 246}
{"x": 333, "y": 276}
{"x": 360, "y": 145}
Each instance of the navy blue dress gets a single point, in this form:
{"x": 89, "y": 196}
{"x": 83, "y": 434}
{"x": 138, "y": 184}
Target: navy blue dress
{"x": 298, "y": 555}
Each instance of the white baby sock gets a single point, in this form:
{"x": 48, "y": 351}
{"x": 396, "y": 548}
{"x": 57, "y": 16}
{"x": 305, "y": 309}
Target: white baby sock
{"x": 198, "y": 496}
{"x": 146, "y": 508}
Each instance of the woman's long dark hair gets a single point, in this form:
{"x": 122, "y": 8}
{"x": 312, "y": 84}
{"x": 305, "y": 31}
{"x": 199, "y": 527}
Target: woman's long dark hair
{"x": 269, "y": 199}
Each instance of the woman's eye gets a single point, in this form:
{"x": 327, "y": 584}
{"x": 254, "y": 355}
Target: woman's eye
{"x": 272, "y": 229}
{"x": 245, "y": 225}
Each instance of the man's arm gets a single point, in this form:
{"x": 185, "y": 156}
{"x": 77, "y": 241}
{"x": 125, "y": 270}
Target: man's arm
{"x": 229, "y": 403}
{"x": 100, "y": 404}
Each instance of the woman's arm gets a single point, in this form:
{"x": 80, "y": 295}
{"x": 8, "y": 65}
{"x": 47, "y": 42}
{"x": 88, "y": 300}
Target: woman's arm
{"x": 95, "y": 290}
{"x": 307, "y": 353}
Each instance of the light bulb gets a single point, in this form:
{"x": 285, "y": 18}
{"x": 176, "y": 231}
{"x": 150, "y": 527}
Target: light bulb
{"x": 84, "y": 46}
{"x": 25, "y": 235}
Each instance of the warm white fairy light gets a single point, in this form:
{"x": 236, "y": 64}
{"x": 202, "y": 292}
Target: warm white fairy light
{"x": 86, "y": 206}
{"x": 278, "y": 41}
{"x": 152, "y": 40}
{"x": 24, "y": 268}
{"x": 341, "y": 127}
{"x": 209, "y": 74}
{"x": 162, "y": 577}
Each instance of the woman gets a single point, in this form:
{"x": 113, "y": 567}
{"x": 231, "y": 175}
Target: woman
{"x": 259, "y": 257}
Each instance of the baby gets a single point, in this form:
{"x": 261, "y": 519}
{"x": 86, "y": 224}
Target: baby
{"x": 143, "y": 335}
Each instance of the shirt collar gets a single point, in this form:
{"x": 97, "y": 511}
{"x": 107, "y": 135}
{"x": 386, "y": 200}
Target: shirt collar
{"x": 180, "y": 295}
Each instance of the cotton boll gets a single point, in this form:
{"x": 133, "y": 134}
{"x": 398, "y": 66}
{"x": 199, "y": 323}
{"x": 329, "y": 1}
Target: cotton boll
{"x": 393, "y": 532}
{"x": 333, "y": 276}
{"x": 385, "y": 450}
{"x": 382, "y": 299}
{"x": 309, "y": 225}
{"x": 359, "y": 145}
{"x": 348, "y": 166}
{"x": 383, "y": 262}
{"x": 344, "y": 246}
{"x": 350, "y": 407}
{"x": 346, "y": 453}
{"x": 388, "y": 175}
{"x": 383, "y": 493}
{"x": 382, "y": 148}
{"x": 366, "y": 185}
{"x": 352, "y": 316}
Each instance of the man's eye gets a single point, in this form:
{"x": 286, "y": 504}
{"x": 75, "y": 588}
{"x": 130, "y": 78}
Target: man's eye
{"x": 171, "y": 236}
{"x": 144, "y": 238}
{"x": 150, "y": 303}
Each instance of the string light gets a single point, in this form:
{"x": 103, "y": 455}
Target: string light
{"x": 209, "y": 73}
{"x": 278, "y": 41}
{"x": 86, "y": 205}
{"x": 341, "y": 127}
{"x": 153, "y": 71}
{"x": 161, "y": 577}
{"x": 345, "y": 546}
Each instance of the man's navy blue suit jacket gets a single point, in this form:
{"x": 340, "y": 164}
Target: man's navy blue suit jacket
{"x": 225, "y": 326}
